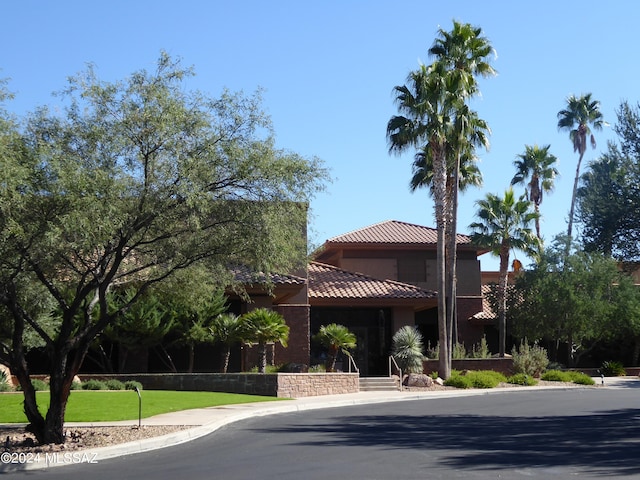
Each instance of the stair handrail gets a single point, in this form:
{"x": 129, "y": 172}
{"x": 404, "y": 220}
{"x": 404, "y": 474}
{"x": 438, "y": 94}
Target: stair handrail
{"x": 393, "y": 360}
{"x": 352, "y": 361}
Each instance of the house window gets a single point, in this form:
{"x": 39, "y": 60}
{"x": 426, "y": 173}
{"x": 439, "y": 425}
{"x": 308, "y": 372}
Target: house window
{"x": 412, "y": 270}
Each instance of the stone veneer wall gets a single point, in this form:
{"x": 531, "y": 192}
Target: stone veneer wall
{"x": 284, "y": 385}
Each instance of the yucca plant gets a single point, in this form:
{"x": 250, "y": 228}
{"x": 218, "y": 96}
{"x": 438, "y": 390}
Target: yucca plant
{"x": 407, "y": 349}
{"x": 336, "y": 338}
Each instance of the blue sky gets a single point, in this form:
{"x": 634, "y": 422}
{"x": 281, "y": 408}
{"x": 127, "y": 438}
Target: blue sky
{"x": 328, "y": 69}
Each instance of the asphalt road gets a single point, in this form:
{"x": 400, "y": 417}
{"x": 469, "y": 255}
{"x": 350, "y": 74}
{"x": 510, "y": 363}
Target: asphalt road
{"x": 586, "y": 433}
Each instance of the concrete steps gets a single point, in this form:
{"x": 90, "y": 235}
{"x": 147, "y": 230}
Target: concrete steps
{"x": 378, "y": 384}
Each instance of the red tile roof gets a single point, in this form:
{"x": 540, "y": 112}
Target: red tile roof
{"x": 394, "y": 232}
{"x": 329, "y": 282}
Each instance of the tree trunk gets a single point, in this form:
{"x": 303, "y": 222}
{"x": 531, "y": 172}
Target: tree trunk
{"x": 573, "y": 201}
{"x": 262, "y": 357}
{"x": 440, "y": 199}
{"x": 451, "y": 255}
{"x": 331, "y": 359}
{"x": 226, "y": 353}
{"x": 502, "y": 298}
{"x": 192, "y": 357}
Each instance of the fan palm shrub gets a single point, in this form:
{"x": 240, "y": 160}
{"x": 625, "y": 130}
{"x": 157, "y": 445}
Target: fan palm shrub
{"x": 263, "y": 326}
{"x": 335, "y": 338}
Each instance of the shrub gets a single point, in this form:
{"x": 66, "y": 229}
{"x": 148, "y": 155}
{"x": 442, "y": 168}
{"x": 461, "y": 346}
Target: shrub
{"x": 458, "y": 381}
{"x": 475, "y": 379}
{"x": 522, "y": 379}
{"x": 458, "y": 352}
{"x": 5, "y": 386}
{"x": 76, "y": 386}
{"x": 132, "y": 384}
{"x": 481, "y": 350}
{"x": 39, "y": 385}
{"x": 432, "y": 352}
{"x": 485, "y": 378}
{"x": 113, "y": 384}
{"x": 94, "y": 384}
{"x": 556, "y": 376}
{"x": 317, "y": 368}
{"x": 407, "y": 349}
{"x": 581, "y": 378}
{"x": 529, "y": 359}
{"x": 612, "y": 369}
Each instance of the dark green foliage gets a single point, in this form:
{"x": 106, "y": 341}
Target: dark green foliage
{"x": 556, "y": 376}
{"x": 132, "y": 385}
{"x": 475, "y": 379}
{"x": 93, "y": 384}
{"x": 522, "y": 379}
{"x": 262, "y": 326}
{"x": 612, "y": 369}
{"x": 335, "y": 338}
{"x": 567, "y": 377}
{"x": 113, "y": 384}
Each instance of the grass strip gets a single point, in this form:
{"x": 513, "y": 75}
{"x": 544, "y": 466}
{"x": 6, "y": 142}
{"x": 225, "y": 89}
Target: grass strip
{"x": 106, "y": 406}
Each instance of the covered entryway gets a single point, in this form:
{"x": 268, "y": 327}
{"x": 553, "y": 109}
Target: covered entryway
{"x": 371, "y": 308}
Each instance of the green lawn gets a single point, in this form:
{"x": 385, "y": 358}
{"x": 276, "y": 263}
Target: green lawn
{"x": 101, "y": 406}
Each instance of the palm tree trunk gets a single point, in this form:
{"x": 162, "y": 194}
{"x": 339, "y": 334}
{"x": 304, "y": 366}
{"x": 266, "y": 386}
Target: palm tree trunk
{"x": 452, "y": 252}
{"x": 573, "y": 200}
{"x": 502, "y": 298}
{"x": 262, "y": 357}
{"x": 440, "y": 198}
{"x": 226, "y": 353}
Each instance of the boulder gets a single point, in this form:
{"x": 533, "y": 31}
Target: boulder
{"x": 419, "y": 380}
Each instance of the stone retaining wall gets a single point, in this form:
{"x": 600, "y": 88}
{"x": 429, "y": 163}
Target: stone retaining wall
{"x": 284, "y": 385}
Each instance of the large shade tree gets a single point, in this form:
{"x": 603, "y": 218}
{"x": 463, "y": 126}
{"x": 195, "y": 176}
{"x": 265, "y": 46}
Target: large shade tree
{"x": 124, "y": 185}
{"x": 579, "y": 117}
{"x": 435, "y": 119}
{"x": 504, "y": 223}
{"x": 535, "y": 169}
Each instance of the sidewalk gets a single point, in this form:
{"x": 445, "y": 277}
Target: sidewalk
{"x": 208, "y": 420}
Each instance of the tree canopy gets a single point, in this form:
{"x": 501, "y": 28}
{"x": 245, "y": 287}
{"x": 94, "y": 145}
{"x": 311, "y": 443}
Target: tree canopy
{"x": 125, "y": 184}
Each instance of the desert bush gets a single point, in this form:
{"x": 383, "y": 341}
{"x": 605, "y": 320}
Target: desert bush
{"x": 529, "y": 359}
{"x": 522, "y": 379}
{"x": 612, "y": 369}
{"x": 114, "y": 384}
{"x": 485, "y": 378}
{"x": 480, "y": 350}
{"x": 407, "y": 349}
{"x": 458, "y": 352}
{"x": 132, "y": 384}
{"x": 581, "y": 378}
{"x": 94, "y": 384}
{"x": 76, "y": 385}
{"x": 458, "y": 381}
{"x": 556, "y": 376}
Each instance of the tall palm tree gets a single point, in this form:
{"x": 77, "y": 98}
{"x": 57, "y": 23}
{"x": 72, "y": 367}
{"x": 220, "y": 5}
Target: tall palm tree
{"x": 336, "y": 338}
{"x": 536, "y": 171}
{"x": 504, "y": 225}
{"x": 580, "y": 115}
{"x": 263, "y": 326}
{"x": 433, "y": 109}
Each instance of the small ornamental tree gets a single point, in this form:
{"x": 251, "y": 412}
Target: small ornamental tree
{"x": 227, "y": 329}
{"x": 262, "y": 326}
{"x": 126, "y": 184}
{"x": 335, "y": 338}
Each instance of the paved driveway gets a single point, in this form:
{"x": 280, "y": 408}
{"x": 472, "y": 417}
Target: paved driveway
{"x": 590, "y": 433}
